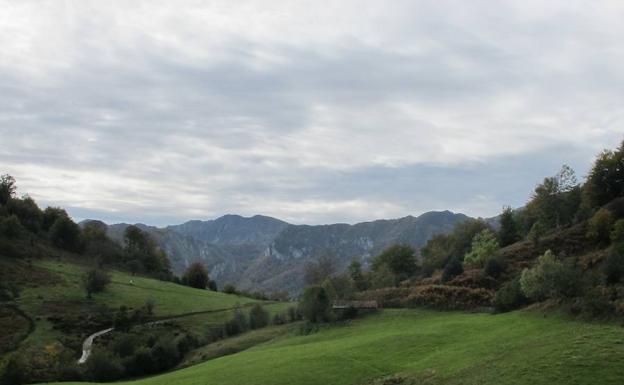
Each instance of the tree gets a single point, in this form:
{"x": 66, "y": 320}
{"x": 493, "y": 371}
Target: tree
{"x": 537, "y": 232}
{"x": 549, "y": 278}
{"x": 229, "y": 289}
{"x": 65, "y": 234}
{"x": 104, "y": 366}
{"x": 238, "y": 324}
{"x": 605, "y": 181}
{"x": 11, "y": 227}
{"x": 599, "y": 226}
{"x": 614, "y": 265}
{"x": 7, "y": 188}
{"x": 617, "y": 234}
{"x": 452, "y": 269}
{"x": 484, "y": 247}
{"x": 27, "y": 211}
{"x": 508, "y": 233}
{"x": 196, "y": 276}
{"x": 316, "y": 272}
{"x": 50, "y": 215}
{"x": 400, "y": 259}
{"x": 315, "y": 305}
{"x": 258, "y": 317}
{"x": 355, "y": 272}
{"x": 95, "y": 281}
{"x": 510, "y": 296}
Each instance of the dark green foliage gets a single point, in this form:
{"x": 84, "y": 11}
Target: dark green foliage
{"x": 165, "y": 354}
{"x": 442, "y": 247}
{"x": 355, "y": 272}
{"x": 258, "y": 317}
{"x": 605, "y": 181}
{"x": 510, "y": 296}
{"x": 508, "y": 232}
{"x": 50, "y": 215}
{"x": 104, "y": 366}
{"x": 7, "y": 188}
{"x": 196, "y": 276}
{"x": 599, "y": 226}
{"x": 11, "y": 227}
{"x": 65, "y": 234}
{"x": 212, "y": 285}
{"x": 27, "y": 211}
{"x": 95, "y": 281}
{"x": 229, "y": 289}
{"x": 617, "y": 233}
{"x": 143, "y": 255}
{"x": 494, "y": 267}
{"x": 140, "y": 362}
{"x": 125, "y": 346}
{"x": 452, "y": 269}
{"x": 400, "y": 259}
{"x": 15, "y": 371}
{"x": 550, "y": 278}
{"x": 538, "y": 230}
{"x": 293, "y": 314}
{"x": 315, "y": 304}
{"x": 614, "y": 265}
{"x": 238, "y": 324}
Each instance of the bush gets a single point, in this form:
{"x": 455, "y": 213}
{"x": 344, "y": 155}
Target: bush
{"x": 550, "y": 278}
{"x": 238, "y": 324}
{"x": 229, "y": 289}
{"x": 165, "y": 354}
{"x": 15, "y": 371}
{"x": 103, "y": 366}
{"x": 11, "y": 227}
{"x": 536, "y": 232}
{"x": 258, "y": 317}
{"x": 617, "y": 234}
{"x": 599, "y": 226}
{"x": 448, "y": 297}
{"x": 452, "y": 269}
{"x": 95, "y": 281}
{"x": 196, "y": 276}
{"x": 140, "y": 363}
{"x": 65, "y": 234}
{"x": 484, "y": 247}
{"x": 315, "y": 305}
{"x": 510, "y": 296}
{"x": 494, "y": 267}
{"x": 614, "y": 265}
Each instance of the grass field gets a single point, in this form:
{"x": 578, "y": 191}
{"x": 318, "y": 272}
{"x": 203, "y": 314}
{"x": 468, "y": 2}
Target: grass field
{"x": 426, "y": 347}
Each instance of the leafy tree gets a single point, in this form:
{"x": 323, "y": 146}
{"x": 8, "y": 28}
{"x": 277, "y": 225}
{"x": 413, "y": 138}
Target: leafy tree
{"x": 27, "y": 211}
{"x": 614, "y": 265}
{"x": 315, "y": 304}
{"x": 510, "y": 296}
{"x": 339, "y": 287}
{"x": 452, "y": 269}
{"x": 599, "y": 226}
{"x": 140, "y": 247}
{"x": 11, "y": 227}
{"x": 538, "y": 230}
{"x": 605, "y": 181}
{"x": 229, "y": 289}
{"x": 212, "y": 285}
{"x": 165, "y": 354}
{"x": 95, "y": 281}
{"x": 617, "y": 234}
{"x": 484, "y": 247}
{"x": 508, "y": 233}
{"x": 316, "y": 272}
{"x": 50, "y": 215}
{"x": 65, "y": 234}
{"x": 258, "y": 317}
{"x": 355, "y": 272}
{"x": 7, "y": 188}
{"x": 400, "y": 259}
{"x": 196, "y": 276}
{"x": 549, "y": 278}
{"x": 494, "y": 267}
{"x": 383, "y": 277}
{"x": 238, "y": 324}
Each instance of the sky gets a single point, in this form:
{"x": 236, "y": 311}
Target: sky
{"x": 309, "y": 111}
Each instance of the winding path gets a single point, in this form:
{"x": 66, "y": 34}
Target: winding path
{"x": 88, "y": 344}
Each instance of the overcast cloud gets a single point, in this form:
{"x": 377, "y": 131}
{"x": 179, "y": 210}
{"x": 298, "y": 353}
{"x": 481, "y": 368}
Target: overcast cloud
{"x": 309, "y": 111}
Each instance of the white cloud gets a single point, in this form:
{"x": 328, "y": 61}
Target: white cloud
{"x": 160, "y": 111}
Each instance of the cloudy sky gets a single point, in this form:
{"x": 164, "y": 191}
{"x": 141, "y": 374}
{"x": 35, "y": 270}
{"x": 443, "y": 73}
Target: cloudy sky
{"x": 310, "y": 111}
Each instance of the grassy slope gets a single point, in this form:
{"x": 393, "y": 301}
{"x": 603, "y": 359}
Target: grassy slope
{"x": 437, "y": 348}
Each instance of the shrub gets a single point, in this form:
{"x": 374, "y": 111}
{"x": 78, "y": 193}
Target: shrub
{"x": 15, "y": 371}
{"x": 452, "y": 269}
{"x": 494, "y": 267}
{"x": 599, "y": 226}
{"x": 258, "y": 317}
{"x": 549, "y": 278}
{"x": 95, "y": 281}
{"x": 510, "y": 296}
{"x": 165, "y": 354}
{"x": 11, "y": 227}
{"x": 140, "y": 363}
{"x": 614, "y": 265}
{"x": 484, "y": 247}
{"x": 125, "y": 346}
{"x": 315, "y": 305}
{"x": 196, "y": 276}
{"x": 293, "y": 314}
{"x": 449, "y": 297}
{"x": 238, "y": 324}
{"x": 400, "y": 259}
{"x": 229, "y": 289}
{"x": 104, "y": 366}
{"x": 536, "y": 232}
{"x": 617, "y": 234}
{"x": 65, "y": 234}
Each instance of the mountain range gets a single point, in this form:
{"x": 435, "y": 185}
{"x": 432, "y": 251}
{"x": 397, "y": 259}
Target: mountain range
{"x": 264, "y": 253}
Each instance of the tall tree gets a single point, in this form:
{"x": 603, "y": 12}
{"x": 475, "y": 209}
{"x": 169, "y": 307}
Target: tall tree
{"x": 196, "y": 276}
{"x": 508, "y": 232}
{"x": 7, "y": 188}
{"x": 400, "y": 259}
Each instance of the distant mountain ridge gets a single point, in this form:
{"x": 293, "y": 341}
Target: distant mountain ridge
{"x": 265, "y": 253}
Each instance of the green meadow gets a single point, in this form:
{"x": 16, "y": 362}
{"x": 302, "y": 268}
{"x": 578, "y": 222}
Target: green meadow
{"x": 423, "y": 347}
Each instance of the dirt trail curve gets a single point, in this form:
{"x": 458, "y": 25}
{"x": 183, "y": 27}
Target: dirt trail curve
{"x": 88, "y": 344}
